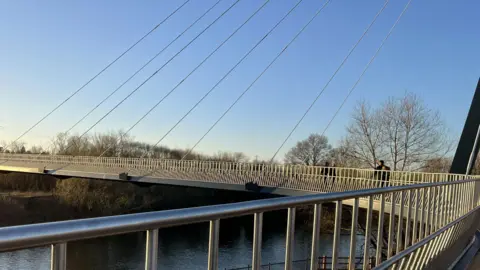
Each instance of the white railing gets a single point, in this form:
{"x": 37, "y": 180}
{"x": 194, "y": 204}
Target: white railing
{"x": 434, "y": 225}
{"x": 298, "y": 177}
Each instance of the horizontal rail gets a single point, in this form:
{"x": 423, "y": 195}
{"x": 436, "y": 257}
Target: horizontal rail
{"x": 26, "y": 236}
{"x": 224, "y": 166}
{"x": 272, "y": 178}
{"x": 324, "y": 262}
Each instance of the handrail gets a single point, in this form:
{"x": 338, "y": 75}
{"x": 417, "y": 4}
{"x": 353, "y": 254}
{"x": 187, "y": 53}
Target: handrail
{"x": 291, "y": 177}
{"x": 302, "y": 169}
{"x": 458, "y": 199}
{"x": 23, "y": 236}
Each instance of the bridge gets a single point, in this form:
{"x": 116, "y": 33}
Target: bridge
{"x": 430, "y": 223}
{"x": 431, "y": 217}
{"x": 280, "y": 179}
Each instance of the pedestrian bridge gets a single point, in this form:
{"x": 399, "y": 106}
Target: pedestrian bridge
{"x": 430, "y": 223}
{"x": 272, "y": 178}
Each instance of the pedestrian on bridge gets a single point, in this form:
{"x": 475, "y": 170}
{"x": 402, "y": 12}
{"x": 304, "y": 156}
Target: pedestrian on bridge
{"x": 382, "y": 172}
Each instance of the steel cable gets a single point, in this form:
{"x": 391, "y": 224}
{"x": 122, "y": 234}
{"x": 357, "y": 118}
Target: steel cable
{"x": 95, "y": 76}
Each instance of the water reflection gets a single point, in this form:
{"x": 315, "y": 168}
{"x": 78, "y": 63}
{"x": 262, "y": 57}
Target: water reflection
{"x": 179, "y": 248}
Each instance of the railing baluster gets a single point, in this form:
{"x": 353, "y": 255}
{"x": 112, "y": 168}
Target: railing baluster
{"x": 415, "y": 216}
{"x": 424, "y": 256}
{"x": 257, "y": 241}
{"x": 422, "y": 213}
{"x": 58, "y": 259}
{"x": 428, "y": 191}
{"x": 353, "y": 236}
{"x": 317, "y": 214}
{"x": 400, "y": 222}
{"x": 381, "y": 218}
{"x": 445, "y": 195}
{"x": 457, "y": 202}
{"x": 440, "y": 207}
{"x": 336, "y": 234}
{"x": 151, "y": 253}
{"x": 213, "y": 244}
{"x": 368, "y": 229}
{"x": 290, "y": 238}
{"x": 416, "y": 258}
{"x": 408, "y": 219}
{"x": 434, "y": 211}
{"x": 391, "y": 227}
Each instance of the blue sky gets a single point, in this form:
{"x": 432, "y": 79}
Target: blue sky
{"x": 48, "y": 49}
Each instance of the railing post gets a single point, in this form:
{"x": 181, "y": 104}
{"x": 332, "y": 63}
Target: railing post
{"x": 317, "y": 213}
{"x": 381, "y": 216}
{"x": 257, "y": 241}
{"x": 400, "y": 222}
{"x": 366, "y": 248}
{"x": 151, "y": 252}
{"x": 213, "y": 244}
{"x": 434, "y": 211}
{"x": 336, "y": 234}
{"x": 290, "y": 238}
{"x": 391, "y": 228}
{"x": 58, "y": 259}
{"x": 428, "y": 191}
{"x": 408, "y": 219}
{"x": 422, "y": 213}
{"x": 353, "y": 236}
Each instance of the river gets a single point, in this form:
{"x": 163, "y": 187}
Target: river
{"x": 183, "y": 247}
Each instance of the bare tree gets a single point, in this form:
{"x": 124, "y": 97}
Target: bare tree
{"x": 311, "y": 151}
{"x": 107, "y": 144}
{"x": 78, "y": 146}
{"x": 232, "y": 157}
{"x": 36, "y": 150}
{"x": 438, "y": 165}
{"x": 403, "y": 131}
{"x": 364, "y": 137}
{"x": 18, "y": 147}
{"x": 342, "y": 157}
{"x": 59, "y": 144}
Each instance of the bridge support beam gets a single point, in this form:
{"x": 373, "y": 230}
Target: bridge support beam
{"x": 467, "y": 146}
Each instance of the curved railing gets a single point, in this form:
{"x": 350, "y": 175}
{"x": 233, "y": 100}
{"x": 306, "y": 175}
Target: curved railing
{"x": 298, "y": 177}
{"x": 429, "y": 233}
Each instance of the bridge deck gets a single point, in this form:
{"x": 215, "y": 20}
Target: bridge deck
{"x": 289, "y": 180}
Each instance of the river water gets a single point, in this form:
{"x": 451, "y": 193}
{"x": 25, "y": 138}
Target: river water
{"x": 184, "y": 247}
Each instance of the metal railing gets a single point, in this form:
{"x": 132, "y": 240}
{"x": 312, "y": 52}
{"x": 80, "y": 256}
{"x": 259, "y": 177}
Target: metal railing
{"x": 297, "y": 177}
{"x": 426, "y": 231}
{"x": 324, "y": 263}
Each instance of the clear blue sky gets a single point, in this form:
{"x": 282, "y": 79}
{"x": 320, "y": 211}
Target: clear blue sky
{"x": 50, "y": 48}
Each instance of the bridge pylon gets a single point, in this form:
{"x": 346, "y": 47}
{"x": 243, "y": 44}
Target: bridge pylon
{"x": 468, "y": 146}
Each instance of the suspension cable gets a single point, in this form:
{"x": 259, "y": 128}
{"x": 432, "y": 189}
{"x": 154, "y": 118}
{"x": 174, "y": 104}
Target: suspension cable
{"x": 140, "y": 69}
{"x": 225, "y": 76}
{"x": 153, "y": 74}
{"x": 366, "y": 67}
{"x": 183, "y": 80}
{"x": 96, "y": 75}
{"x": 330, "y": 79}
{"x": 257, "y": 78}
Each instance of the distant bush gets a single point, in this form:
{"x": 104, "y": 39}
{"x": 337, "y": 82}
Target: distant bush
{"x": 27, "y": 182}
{"x": 98, "y": 196}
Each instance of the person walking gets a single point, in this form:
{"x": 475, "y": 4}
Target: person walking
{"x": 382, "y": 172}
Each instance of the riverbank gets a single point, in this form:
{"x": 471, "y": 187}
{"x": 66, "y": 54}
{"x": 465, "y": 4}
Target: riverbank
{"x": 30, "y": 198}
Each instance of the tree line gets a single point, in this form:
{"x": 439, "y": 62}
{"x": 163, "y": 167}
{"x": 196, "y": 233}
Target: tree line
{"x": 402, "y": 131}
{"x": 117, "y": 144}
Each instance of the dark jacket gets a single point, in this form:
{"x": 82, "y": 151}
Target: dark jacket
{"x": 382, "y": 172}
